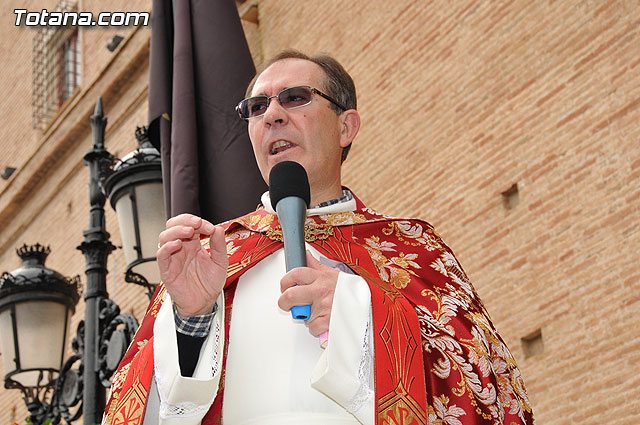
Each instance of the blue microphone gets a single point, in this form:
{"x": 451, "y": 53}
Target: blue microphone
{"x": 290, "y": 195}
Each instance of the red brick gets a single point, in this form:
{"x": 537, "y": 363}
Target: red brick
{"x": 573, "y": 115}
{"x": 621, "y": 113}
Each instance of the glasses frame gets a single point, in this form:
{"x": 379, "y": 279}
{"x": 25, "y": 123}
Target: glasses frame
{"x": 277, "y": 96}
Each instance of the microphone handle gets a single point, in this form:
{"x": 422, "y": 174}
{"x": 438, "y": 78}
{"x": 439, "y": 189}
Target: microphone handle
{"x": 292, "y": 212}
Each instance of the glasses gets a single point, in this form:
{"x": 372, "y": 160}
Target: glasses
{"x": 293, "y": 97}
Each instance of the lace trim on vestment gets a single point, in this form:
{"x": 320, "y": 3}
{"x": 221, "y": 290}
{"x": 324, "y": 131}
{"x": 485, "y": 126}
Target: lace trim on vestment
{"x": 216, "y": 329}
{"x": 186, "y": 409}
{"x": 365, "y": 393}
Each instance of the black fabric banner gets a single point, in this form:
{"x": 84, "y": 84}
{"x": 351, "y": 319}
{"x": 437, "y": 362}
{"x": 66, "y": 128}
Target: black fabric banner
{"x": 200, "y": 66}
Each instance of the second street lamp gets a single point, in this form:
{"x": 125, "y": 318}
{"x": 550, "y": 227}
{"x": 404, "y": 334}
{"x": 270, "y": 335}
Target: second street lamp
{"x": 135, "y": 191}
{"x": 36, "y": 304}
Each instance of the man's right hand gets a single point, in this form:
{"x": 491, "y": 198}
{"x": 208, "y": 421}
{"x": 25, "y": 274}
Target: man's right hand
{"x": 193, "y": 277}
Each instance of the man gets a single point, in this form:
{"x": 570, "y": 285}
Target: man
{"x": 409, "y": 342}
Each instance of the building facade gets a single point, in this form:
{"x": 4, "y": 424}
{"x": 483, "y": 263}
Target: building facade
{"x": 511, "y": 126}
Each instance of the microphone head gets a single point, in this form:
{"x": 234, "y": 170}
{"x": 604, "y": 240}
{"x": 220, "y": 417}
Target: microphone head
{"x": 288, "y": 178}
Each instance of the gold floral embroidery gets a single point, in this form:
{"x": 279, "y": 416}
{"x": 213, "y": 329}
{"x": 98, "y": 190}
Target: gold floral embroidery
{"x": 158, "y": 302}
{"x": 458, "y": 355}
{"x": 375, "y": 213}
{"x": 511, "y": 390}
{"x": 395, "y": 270}
{"x": 238, "y": 233}
{"x": 114, "y": 397}
{"x": 275, "y": 234}
{"x": 412, "y": 233}
{"x": 232, "y": 239}
{"x": 257, "y": 222}
{"x": 481, "y": 356}
{"x": 443, "y": 414}
{"x": 312, "y": 232}
{"x": 474, "y": 359}
{"x": 438, "y": 265}
{"x": 345, "y": 218}
{"x": 119, "y": 377}
{"x": 231, "y": 249}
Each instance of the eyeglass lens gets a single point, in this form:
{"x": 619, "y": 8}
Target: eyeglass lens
{"x": 288, "y": 98}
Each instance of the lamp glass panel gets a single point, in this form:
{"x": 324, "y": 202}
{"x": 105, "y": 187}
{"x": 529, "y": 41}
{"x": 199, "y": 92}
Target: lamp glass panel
{"x": 152, "y": 221}
{"x": 127, "y": 231}
{"x": 6, "y": 342}
{"x": 41, "y": 332}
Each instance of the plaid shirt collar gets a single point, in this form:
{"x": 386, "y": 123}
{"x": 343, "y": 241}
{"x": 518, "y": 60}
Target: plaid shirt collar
{"x": 346, "y": 197}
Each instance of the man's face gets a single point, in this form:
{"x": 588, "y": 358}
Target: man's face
{"x": 310, "y": 135}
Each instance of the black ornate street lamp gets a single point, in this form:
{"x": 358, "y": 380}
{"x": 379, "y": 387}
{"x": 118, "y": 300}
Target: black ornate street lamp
{"x": 36, "y": 304}
{"x": 135, "y": 191}
{"x": 59, "y": 391}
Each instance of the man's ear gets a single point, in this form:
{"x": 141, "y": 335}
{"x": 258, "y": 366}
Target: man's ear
{"x": 350, "y": 126}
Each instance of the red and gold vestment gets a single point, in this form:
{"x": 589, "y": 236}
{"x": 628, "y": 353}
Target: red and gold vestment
{"x": 438, "y": 357}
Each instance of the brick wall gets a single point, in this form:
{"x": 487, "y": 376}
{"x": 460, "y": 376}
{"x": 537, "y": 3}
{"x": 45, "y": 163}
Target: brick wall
{"x": 459, "y": 101}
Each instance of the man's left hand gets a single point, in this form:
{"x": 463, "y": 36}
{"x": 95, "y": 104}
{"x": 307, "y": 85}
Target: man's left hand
{"x": 316, "y": 286}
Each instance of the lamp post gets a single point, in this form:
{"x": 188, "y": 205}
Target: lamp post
{"x": 96, "y": 247}
{"x": 59, "y": 391}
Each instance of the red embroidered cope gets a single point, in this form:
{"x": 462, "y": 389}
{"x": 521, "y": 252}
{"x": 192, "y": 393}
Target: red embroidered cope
{"x": 438, "y": 357}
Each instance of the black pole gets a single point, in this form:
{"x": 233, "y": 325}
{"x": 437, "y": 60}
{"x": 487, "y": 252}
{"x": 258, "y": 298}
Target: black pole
{"x": 96, "y": 247}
